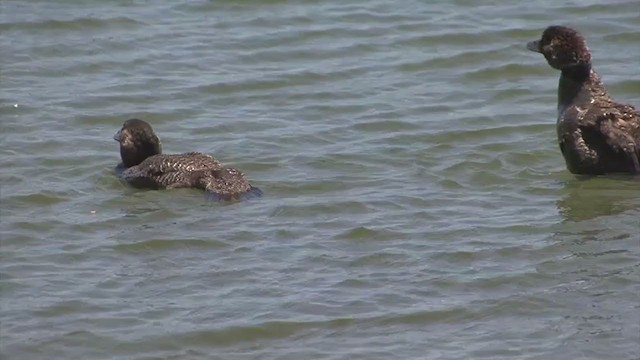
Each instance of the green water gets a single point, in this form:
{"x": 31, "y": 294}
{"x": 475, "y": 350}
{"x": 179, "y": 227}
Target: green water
{"x": 416, "y": 203}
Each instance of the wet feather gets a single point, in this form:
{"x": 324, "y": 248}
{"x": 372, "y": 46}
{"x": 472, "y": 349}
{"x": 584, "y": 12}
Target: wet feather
{"x": 143, "y": 165}
{"x": 596, "y": 134}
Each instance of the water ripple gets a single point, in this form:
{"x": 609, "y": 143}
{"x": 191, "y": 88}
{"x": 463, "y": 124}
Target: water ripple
{"x": 414, "y": 191}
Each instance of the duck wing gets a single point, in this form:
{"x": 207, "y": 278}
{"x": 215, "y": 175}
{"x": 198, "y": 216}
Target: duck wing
{"x": 225, "y": 184}
{"x": 170, "y": 171}
{"x": 187, "y": 162}
{"x": 616, "y": 129}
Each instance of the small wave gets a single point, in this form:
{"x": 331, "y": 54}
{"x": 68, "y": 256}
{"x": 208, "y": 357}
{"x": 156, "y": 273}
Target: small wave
{"x": 84, "y": 23}
{"x": 168, "y": 244}
{"x": 365, "y": 233}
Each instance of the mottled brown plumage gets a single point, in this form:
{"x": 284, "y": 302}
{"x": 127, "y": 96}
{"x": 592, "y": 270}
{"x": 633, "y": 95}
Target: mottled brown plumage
{"x": 143, "y": 165}
{"x": 596, "y": 134}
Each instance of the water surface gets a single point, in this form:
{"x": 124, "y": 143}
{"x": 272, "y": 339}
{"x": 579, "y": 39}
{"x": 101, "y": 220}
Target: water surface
{"x": 416, "y": 203}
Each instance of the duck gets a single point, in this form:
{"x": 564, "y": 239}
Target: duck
{"x": 596, "y": 134}
{"x": 143, "y": 165}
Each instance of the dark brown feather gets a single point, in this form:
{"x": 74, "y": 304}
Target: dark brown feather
{"x": 596, "y": 134}
{"x": 144, "y": 166}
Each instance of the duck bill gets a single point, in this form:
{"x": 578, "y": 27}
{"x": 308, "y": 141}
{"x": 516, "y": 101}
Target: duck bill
{"x": 534, "y": 46}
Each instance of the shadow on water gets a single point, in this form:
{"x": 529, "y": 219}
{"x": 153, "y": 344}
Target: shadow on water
{"x": 588, "y": 198}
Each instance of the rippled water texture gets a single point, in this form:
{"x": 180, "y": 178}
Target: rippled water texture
{"x": 416, "y": 203}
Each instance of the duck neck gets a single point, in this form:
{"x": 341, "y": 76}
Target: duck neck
{"x": 134, "y": 155}
{"x": 573, "y": 81}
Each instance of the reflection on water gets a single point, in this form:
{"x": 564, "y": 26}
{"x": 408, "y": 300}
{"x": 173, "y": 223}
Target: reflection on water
{"x": 591, "y": 197}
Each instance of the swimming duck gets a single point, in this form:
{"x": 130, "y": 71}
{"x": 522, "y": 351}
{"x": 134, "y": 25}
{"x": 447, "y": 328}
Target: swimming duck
{"x": 596, "y": 134}
{"x": 143, "y": 165}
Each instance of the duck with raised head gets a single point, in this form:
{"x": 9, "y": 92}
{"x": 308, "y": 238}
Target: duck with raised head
{"x": 144, "y": 166}
{"x": 596, "y": 134}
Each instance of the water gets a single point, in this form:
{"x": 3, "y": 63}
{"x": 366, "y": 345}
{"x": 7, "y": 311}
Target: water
{"x": 416, "y": 203}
